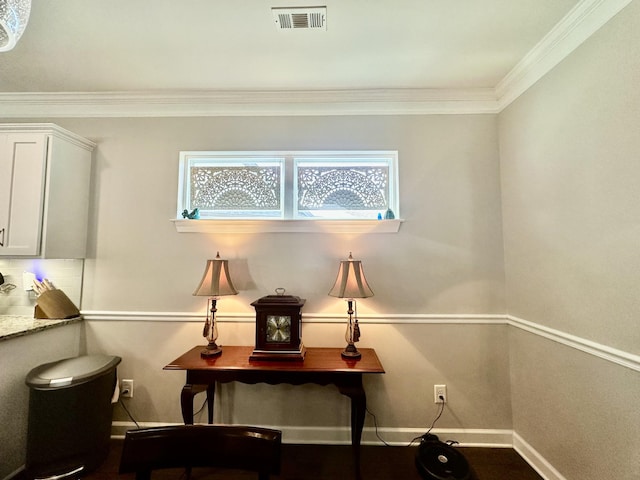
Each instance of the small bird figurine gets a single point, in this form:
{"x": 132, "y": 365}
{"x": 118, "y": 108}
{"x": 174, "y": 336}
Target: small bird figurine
{"x": 195, "y": 214}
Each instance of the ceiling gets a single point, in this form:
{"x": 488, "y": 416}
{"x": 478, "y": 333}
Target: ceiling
{"x": 91, "y": 47}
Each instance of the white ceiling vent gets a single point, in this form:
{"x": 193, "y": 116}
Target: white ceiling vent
{"x": 300, "y": 18}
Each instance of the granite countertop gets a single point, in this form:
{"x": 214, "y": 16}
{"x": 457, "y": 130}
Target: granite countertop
{"x": 12, "y": 326}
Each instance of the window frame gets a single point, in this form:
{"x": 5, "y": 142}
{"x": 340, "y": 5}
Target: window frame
{"x": 226, "y": 158}
{"x": 287, "y": 221}
{"x": 349, "y": 158}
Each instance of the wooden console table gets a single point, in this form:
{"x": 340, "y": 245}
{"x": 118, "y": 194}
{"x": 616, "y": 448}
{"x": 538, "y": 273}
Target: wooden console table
{"x": 322, "y": 366}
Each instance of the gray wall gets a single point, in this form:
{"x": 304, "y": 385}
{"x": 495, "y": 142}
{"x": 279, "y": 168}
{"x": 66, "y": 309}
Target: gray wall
{"x": 571, "y": 206}
{"x": 449, "y": 250}
{"x": 17, "y": 357}
{"x": 445, "y": 260}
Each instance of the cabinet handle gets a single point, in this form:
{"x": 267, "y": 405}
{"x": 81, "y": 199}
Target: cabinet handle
{"x": 2, "y": 241}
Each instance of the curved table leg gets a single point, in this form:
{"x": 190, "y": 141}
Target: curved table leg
{"x": 186, "y": 400}
{"x": 355, "y": 391}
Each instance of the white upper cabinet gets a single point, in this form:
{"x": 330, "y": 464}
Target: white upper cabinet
{"x": 45, "y": 175}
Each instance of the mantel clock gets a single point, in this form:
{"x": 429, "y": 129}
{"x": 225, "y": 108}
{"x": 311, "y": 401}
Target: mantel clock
{"x": 278, "y": 327}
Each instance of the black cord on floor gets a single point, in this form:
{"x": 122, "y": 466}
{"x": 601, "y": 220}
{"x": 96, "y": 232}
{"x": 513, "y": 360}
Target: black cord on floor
{"x": 375, "y": 423}
{"x": 431, "y": 427}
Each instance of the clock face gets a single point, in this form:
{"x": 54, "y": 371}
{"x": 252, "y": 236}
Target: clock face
{"x": 278, "y": 328}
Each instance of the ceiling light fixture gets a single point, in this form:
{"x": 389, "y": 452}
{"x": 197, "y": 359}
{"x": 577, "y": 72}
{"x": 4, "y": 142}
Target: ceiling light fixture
{"x": 14, "y": 15}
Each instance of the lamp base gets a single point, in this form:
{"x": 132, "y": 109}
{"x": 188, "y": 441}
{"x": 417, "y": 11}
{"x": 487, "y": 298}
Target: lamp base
{"x": 212, "y": 350}
{"x": 351, "y": 352}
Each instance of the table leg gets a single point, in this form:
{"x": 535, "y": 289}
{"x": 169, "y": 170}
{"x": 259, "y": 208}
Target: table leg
{"x": 355, "y": 391}
{"x": 211, "y": 393}
{"x": 186, "y": 401}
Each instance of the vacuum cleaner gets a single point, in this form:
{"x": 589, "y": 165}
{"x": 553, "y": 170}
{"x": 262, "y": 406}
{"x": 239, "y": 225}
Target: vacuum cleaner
{"x": 436, "y": 460}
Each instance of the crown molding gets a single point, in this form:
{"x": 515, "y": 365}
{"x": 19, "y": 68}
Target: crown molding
{"x": 576, "y": 27}
{"x": 567, "y": 35}
{"x": 49, "y": 129}
{"x": 208, "y": 103}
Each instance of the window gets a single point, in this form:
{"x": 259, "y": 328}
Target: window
{"x": 288, "y": 185}
{"x": 228, "y": 185}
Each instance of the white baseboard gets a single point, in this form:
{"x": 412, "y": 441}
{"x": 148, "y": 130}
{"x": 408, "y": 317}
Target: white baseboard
{"x": 535, "y": 460}
{"x": 342, "y": 436}
{"x": 472, "y": 437}
{"x": 14, "y": 474}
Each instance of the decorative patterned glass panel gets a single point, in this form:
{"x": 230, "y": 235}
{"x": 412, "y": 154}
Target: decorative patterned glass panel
{"x": 349, "y": 188}
{"x": 235, "y": 188}
{"x": 342, "y": 191}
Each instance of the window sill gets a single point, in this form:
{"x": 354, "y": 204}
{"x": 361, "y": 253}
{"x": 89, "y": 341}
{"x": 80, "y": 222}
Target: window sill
{"x": 287, "y": 226}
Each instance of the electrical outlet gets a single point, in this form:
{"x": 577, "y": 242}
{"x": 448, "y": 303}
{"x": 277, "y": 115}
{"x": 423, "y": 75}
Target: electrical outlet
{"x": 27, "y": 280}
{"x": 439, "y": 394}
{"x": 126, "y": 388}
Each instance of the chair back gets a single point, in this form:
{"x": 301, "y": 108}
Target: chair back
{"x": 236, "y": 447}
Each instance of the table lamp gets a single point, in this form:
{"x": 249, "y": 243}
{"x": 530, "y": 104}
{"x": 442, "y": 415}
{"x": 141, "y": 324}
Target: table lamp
{"x": 215, "y": 283}
{"x": 350, "y": 284}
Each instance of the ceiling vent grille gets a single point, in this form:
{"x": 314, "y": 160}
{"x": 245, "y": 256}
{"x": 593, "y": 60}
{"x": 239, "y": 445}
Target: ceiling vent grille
{"x": 305, "y": 18}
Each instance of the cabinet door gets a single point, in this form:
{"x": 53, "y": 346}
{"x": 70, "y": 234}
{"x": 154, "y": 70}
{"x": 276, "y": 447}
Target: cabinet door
{"x": 5, "y": 187}
{"x": 23, "y": 161}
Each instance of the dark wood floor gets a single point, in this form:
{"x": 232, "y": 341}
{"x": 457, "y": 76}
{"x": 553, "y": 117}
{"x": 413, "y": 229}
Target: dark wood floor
{"x": 332, "y": 462}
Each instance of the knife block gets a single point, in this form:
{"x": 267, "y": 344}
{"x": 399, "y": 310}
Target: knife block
{"x": 55, "y": 304}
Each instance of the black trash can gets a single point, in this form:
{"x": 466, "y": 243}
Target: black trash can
{"x": 70, "y": 414}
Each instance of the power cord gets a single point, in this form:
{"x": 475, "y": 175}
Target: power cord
{"x": 125, "y": 391}
{"x": 127, "y": 410}
{"x": 432, "y": 423}
{"x": 200, "y": 409}
{"x": 375, "y": 423}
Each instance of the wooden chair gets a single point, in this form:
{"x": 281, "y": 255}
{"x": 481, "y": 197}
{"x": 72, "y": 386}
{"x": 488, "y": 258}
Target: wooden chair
{"x": 185, "y": 446}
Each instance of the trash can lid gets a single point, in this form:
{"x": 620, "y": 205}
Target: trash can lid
{"x": 70, "y": 371}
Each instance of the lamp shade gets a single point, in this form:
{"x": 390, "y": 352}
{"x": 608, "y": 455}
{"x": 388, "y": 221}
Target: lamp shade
{"x": 14, "y": 15}
{"x": 351, "y": 282}
{"x": 216, "y": 281}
